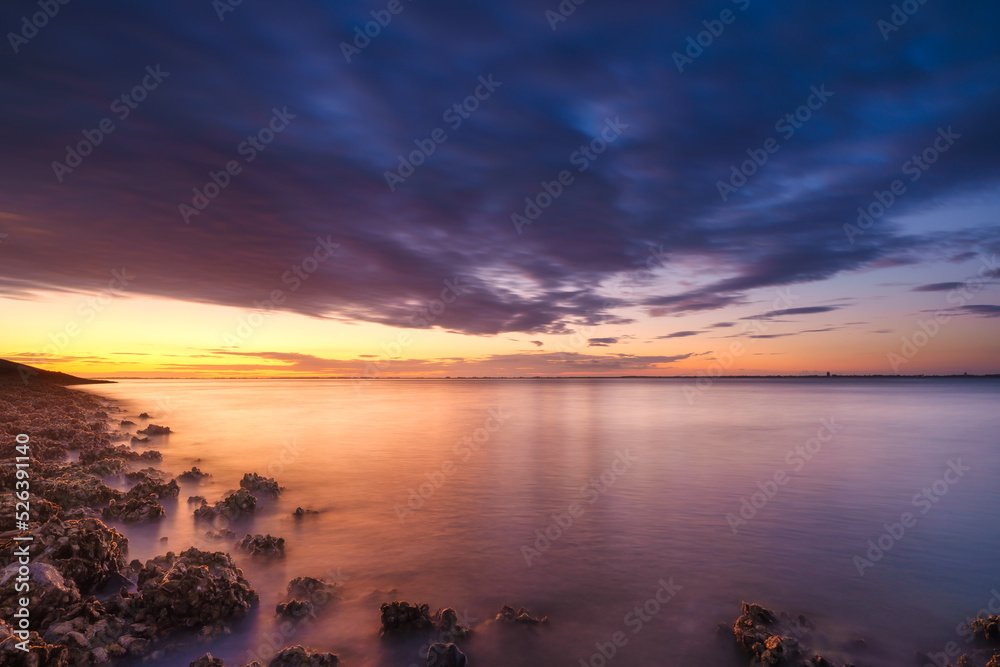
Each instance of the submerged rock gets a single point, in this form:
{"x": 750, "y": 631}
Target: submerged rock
{"x": 445, "y": 655}
{"x": 208, "y": 661}
{"x": 257, "y": 484}
{"x": 297, "y": 656}
{"x": 138, "y": 441}
{"x": 153, "y": 429}
{"x": 237, "y": 504}
{"x": 144, "y": 415}
{"x": 262, "y": 545}
{"x": 126, "y": 422}
{"x": 302, "y": 512}
{"x": 522, "y": 616}
{"x": 316, "y": 590}
{"x": 296, "y": 609}
{"x": 197, "y": 500}
{"x": 193, "y": 475}
{"x": 764, "y": 639}
{"x": 400, "y": 617}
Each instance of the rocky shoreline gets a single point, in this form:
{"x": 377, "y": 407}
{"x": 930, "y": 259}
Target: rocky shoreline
{"x": 90, "y": 605}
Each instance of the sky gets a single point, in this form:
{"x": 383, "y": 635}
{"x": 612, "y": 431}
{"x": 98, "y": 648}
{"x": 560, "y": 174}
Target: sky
{"x": 406, "y": 188}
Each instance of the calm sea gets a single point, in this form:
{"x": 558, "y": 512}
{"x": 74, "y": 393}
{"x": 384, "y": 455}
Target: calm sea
{"x": 637, "y": 507}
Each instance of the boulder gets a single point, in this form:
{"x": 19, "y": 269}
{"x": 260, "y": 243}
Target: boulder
{"x": 445, "y": 655}
{"x": 153, "y": 429}
{"x": 236, "y": 505}
{"x": 296, "y": 609}
{"x": 85, "y": 551}
{"x": 261, "y": 485}
{"x": 193, "y": 475}
{"x": 262, "y": 545}
{"x": 507, "y": 615}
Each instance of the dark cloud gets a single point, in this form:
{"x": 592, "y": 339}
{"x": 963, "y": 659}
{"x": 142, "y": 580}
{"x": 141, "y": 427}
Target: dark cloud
{"x": 982, "y": 310}
{"x": 680, "y": 334}
{"x": 538, "y": 343}
{"x": 323, "y": 176}
{"x": 601, "y": 342}
{"x": 938, "y": 287}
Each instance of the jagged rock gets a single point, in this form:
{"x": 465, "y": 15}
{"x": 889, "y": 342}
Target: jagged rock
{"x": 316, "y": 590}
{"x": 153, "y": 429}
{"x": 445, "y": 655}
{"x": 257, "y": 484}
{"x": 193, "y": 475}
{"x": 144, "y": 415}
{"x": 765, "y": 640}
{"x": 208, "y": 661}
{"x": 50, "y": 593}
{"x": 447, "y": 622}
{"x": 40, "y": 654}
{"x": 72, "y": 491}
{"x": 197, "y": 500}
{"x": 521, "y": 616}
{"x": 135, "y": 509}
{"x": 126, "y": 422}
{"x": 194, "y": 589}
{"x": 222, "y": 534}
{"x": 85, "y": 551}
{"x": 296, "y": 609}
{"x": 986, "y": 628}
{"x": 106, "y": 467}
{"x": 262, "y": 545}
{"x": 138, "y": 441}
{"x": 237, "y": 504}
{"x": 152, "y": 486}
{"x": 401, "y": 617}
{"x": 39, "y": 511}
{"x": 297, "y": 656}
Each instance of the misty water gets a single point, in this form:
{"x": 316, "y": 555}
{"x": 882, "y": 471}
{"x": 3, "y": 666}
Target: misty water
{"x": 443, "y": 492}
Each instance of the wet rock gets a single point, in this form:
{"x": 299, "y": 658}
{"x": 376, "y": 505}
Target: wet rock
{"x": 150, "y": 486}
{"x": 120, "y": 452}
{"x": 296, "y": 609}
{"x": 138, "y": 441}
{"x": 301, "y": 512}
{"x": 106, "y": 467}
{"x": 986, "y": 628}
{"x": 520, "y": 617}
{"x": 193, "y": 475}
{"x": 153, "y": 429}
{"x": 297, "y": 656}
{"x": 257, "y": 484}
{"x": 262, "y": 545}
{"x": 39, "y": 511}
{"x": 126, "y": 422}
{"x": 39, "y": 654}
{"x": 208, "y": 661}
{"x": 75, "y": 490}
{"x": 194, "y": 589}
{"x": 447, "y": 622}
{"x": 144, "y": 415}
{"x": 313, "y": 589}
{"x": 197, "y": 500}
{"x": 85, "y": 551}
{"x": 50, "y": 593}
{"x": 401, "y": 617}
{"x": 446, "y": 655}
{"x": 764, "y": 639}
{"x": 237, "y": 504}
{"x": 135, "y": 509}
{"x": 222, "y": 534}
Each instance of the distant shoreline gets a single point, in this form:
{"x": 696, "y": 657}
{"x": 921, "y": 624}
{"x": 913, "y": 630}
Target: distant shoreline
{"x": 993, "y": 376}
